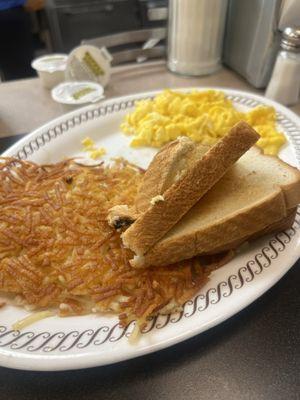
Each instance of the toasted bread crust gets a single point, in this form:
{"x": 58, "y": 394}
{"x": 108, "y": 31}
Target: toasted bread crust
{"x": 121, "y": 216}
{"x": 160, "y": 173}
{"x": 237, "y": 228}
{"x": 291, "y": 191}
{"x": 278, "y": 226}
{"x": 186, "y": 191}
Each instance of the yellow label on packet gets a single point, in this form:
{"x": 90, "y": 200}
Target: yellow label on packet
{"x": 82, "y": 92}
{"x": 92, "y": 64}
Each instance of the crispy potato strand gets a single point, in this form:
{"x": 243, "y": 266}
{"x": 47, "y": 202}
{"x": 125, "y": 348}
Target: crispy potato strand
{"x": 57, "y": 250}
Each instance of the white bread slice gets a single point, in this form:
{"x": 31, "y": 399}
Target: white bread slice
{"x": 166, "y": 166}
{"x": 190, "y": 186}
{"x": 255, "y": 193}
{"x": 217, "y": 260}
{"x": 160, "y": 175}
{"x": 278, "y": 226}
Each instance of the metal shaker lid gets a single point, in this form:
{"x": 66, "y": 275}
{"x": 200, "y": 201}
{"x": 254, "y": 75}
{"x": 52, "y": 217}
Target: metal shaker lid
{"x": 291, "y": 39}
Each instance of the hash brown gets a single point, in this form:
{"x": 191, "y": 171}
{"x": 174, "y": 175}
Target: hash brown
{"x": 58, "y": 252}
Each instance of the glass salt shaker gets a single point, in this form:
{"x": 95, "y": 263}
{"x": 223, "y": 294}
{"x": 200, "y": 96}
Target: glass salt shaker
{"x": 284, "y": 85}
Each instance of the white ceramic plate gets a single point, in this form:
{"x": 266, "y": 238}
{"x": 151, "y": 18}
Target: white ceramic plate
{"x": 93, "y": 340}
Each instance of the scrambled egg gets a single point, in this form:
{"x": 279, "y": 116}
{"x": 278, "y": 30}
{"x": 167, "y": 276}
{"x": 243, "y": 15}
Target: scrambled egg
{"x": 88, "y": 143}
{"x": 90, "y": 147}
{"x": 203, "y": 116}
{"x": 98, "y": 153}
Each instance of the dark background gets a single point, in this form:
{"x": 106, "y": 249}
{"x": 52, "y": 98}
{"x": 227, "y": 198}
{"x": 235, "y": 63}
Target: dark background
{"x": 61, "y": 25}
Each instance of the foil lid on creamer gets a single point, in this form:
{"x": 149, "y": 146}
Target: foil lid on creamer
{"x": 50, "y": 63}
{"x": 88, "y": 63}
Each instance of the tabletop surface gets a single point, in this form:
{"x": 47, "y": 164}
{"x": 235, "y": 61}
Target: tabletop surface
{"x": 253, "y": 355}
{"x": 25, "y": 104}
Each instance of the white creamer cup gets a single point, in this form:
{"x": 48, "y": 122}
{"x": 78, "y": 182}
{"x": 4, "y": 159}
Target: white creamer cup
{"x": 71, "y": 95}
{"x": 51, "y": 69}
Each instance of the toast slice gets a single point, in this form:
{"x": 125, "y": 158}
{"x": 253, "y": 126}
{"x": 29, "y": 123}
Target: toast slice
{"x": 278, "y": 226}
{"x": 166, "y": 166}
{"x": 189, "y": 186}
{"x": 222, "y": 257}
{"x": 256, "y": 192}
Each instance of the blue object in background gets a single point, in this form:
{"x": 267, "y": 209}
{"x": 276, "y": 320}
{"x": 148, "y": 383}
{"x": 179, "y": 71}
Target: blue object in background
{"x": 7, "y": 4}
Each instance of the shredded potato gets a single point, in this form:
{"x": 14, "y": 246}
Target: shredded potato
{"x": 203, "y": 116}
{"x": 58, "y": 252}
{"x": 31, "y": 319}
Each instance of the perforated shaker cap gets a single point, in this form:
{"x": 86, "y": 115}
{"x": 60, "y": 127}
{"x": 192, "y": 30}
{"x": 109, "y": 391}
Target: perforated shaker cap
{"x": 291, "y": 39}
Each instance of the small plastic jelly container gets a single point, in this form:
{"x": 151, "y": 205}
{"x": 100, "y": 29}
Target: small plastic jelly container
{"x": 72, "y": 95}
{"x": 51, "y": 69}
